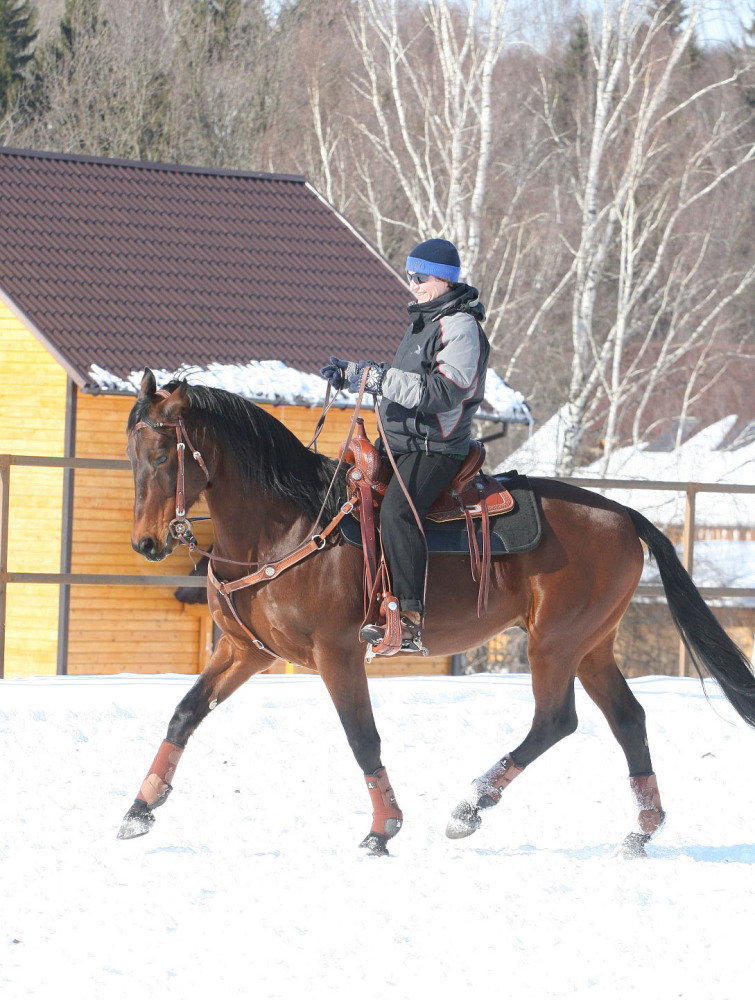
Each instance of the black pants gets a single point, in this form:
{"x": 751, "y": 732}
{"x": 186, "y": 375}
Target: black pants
{"x": 425, "y": 477}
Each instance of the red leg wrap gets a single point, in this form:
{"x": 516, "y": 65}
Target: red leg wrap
{"x": 500, "y": 775}
{"x": 157, "y": 783}
{"x": 387, "y": 818}
{"x": 648, "y": 798}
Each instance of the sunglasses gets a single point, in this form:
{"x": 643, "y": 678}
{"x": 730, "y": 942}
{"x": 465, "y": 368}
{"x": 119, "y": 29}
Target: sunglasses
{"x": 418, "y": 279}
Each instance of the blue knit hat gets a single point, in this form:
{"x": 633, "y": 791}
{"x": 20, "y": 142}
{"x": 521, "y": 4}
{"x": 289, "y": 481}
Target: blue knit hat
{"x": 439, "y": 258}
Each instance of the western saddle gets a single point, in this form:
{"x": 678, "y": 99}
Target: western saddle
{"x": 472, "y": 495}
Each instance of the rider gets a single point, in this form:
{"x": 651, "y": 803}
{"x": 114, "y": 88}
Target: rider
{"x": 430, "y": 394}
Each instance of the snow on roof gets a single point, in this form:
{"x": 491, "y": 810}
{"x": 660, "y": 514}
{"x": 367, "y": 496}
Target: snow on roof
{"x": 276, "y": 383}
{"x": 699, "y": 459}
{"x": 504, "y": 403}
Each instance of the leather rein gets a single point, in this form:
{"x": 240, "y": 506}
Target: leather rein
{"x": 181, "y": 530}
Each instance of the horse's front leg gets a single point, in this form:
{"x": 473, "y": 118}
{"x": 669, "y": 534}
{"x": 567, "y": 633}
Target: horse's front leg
{"x": 345, "y": 678}
{"x": 230, "y": 665}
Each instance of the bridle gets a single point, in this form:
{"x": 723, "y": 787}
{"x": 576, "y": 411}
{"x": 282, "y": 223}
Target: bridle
{"x": 180, "y": 526}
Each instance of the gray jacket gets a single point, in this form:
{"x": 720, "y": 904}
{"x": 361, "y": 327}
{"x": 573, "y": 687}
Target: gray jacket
{"x": 436, "y": 381}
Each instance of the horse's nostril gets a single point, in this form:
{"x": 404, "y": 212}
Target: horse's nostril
{"x": 147, "y": 546}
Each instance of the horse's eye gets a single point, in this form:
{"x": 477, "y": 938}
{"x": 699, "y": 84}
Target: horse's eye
{"x": 160, "y": 460}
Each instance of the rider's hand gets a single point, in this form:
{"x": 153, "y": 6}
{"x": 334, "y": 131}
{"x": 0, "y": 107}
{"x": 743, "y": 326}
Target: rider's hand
{"x": 375, "y": 376}
{"x": 335, "y": 372}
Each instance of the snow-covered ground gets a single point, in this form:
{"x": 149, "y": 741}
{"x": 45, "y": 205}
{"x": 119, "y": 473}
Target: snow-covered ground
{"x": 251, "y": 883}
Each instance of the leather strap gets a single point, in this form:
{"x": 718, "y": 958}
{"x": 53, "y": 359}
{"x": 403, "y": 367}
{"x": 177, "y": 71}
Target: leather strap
{"x": 321, "y": 421}
{"x": 272, "y": 570}
{"x": 474, "y": 552}
{"x": 232, "y": 608}
{"x": 417, "y": 518}
{"x": 367, "y": 520}
{"x": 480, "y": 564}
{"x": 482, "y": 596}
{"x": 349, "y": 436}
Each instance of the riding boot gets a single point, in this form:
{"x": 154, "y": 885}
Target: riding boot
{"x": 411, "y": 634}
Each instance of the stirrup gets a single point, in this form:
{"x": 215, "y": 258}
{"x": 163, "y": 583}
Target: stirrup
{"x": 371, "y": 633}
{"x": 411, "y": 638}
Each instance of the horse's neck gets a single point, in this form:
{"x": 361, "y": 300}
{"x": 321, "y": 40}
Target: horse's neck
{"x": 250, "y": 524}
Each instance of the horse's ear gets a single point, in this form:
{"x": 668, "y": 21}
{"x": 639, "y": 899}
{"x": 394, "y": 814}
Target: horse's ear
{"x": 177, "y": 403}
{"x": 149, "y": 385}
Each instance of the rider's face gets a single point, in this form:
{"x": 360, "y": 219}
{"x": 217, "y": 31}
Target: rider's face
{"x": 429, "y": 290}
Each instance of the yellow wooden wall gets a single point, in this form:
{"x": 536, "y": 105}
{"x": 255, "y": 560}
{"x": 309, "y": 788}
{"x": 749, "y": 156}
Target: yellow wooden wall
{"x": 32, "y": 422}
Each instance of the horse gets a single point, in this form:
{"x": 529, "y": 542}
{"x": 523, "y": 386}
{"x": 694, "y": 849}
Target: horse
{"x": 267, "y": 495}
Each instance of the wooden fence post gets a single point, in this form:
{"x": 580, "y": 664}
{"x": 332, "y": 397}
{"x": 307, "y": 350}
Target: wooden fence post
{"x": 4, "y": 512}
{"x": 688, "y": 556}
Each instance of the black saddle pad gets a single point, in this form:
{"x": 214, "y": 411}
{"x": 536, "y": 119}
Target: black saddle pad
{"x": 519, "y": 530}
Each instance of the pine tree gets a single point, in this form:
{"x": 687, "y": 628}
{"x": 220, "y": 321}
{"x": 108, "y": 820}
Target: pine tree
{"x": 673, "y": 12}
{"x": 17, "y": 37}
{"x": 572, "y": 78}
{"x": 223, "y": 17}
{"x": 78, "y": 15}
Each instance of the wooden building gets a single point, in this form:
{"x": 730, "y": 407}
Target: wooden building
{"x": 247, "y": 280}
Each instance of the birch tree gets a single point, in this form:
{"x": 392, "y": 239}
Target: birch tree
{"x": 632, "y": 215}
{"x": 427, "y": 80}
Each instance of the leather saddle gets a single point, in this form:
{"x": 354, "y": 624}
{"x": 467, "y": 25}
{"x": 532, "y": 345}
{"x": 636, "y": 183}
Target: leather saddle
{"x": 471, "y": 496}
{"x": 468, "y": 493}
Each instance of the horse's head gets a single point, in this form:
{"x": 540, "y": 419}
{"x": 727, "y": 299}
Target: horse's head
{"x": 153, "y": 449}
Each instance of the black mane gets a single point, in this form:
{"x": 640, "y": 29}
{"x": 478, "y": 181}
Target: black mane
{"x": 265, "y": 451}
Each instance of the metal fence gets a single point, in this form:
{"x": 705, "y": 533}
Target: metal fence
{"x": 66, "y": 579}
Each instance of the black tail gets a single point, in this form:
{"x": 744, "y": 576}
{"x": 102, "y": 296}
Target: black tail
{"x": 707, "y": 642}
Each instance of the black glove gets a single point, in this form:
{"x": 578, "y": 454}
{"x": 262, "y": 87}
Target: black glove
{"x": 355, "y": 371}
{"x": 335, "y": 372}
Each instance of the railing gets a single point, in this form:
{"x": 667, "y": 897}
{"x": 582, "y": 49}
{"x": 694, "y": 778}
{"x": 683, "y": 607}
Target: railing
{"x": 688, "y": 536}
{"x": 110, "y": 579}
{"x": 65, "y": 579}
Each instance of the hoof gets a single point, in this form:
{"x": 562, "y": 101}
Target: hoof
{"x": 633, "y": 847}
{"x": 465, "y": 820}
{"x": 137, "y": 821}
{"x": 376, "y": 844}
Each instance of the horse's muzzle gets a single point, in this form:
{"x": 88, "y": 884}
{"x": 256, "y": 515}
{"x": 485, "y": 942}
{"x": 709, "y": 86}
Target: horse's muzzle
{"x": 150, "y": 548}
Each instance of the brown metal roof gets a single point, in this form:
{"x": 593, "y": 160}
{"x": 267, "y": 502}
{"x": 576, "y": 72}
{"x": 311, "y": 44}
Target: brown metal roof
{"x": 121, "y": 265}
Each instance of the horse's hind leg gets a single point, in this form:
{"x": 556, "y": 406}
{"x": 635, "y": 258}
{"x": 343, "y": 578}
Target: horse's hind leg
{"x": 555, "y": 717}
{"x": 229, "y": 666}
{"x": 607, "y": 687}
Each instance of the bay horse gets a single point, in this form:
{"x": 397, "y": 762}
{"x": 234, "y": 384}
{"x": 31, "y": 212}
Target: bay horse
{"x": 265, "y": 490}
